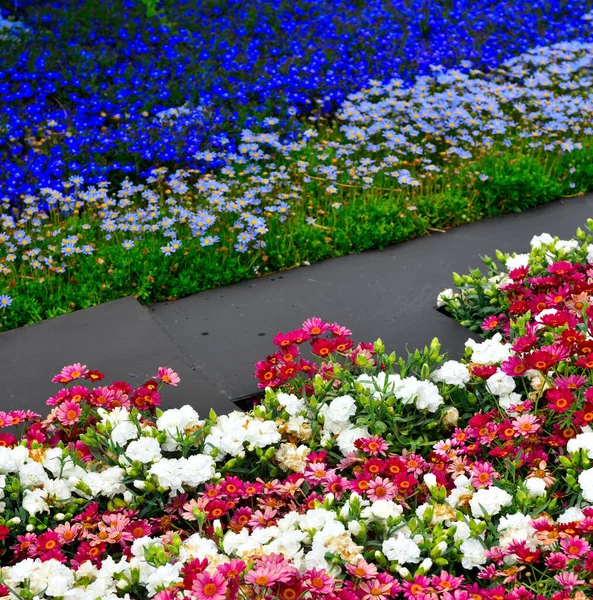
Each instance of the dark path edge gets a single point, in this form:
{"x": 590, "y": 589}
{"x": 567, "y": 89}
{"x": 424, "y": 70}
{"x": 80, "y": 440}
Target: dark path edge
{"x": 388, "y": 293}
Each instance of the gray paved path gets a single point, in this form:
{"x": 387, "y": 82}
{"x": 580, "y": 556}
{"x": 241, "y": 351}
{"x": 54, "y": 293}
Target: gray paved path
{"x": 214, "y": 338}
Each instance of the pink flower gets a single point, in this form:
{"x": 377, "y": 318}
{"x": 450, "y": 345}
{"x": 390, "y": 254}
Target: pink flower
{"x": 70, "y": 373}
{"x": 210, "y": 586}
{"x": 68, "y": 413}
{"x": 168, "y": 376}
{"x": 568, "y": 580}
{"x": 525, "y": 425}
{"x": 271, "y": 569}
{"x": 574, "y": 546}
{"x": 375, "y": 589}
{"x": 318, "y": 582}
{"x": 381, "y": 489}
{"x": 374, "y": 445}
{"x": 482, "y": 474}
{"x": 362, "y": 569}
{"x": 446, "y": 582}
{"x": 232, "y": 569}
{"x": 315, "y": 326}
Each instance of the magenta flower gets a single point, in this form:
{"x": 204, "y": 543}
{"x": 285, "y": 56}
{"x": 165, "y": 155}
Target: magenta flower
{"x": 315, "y": 326}
{"x": 525, "y": 425}
{"x": 70, "y": 373}
{"x": 318, "y": 582}
{"x": 574, "y": 546}
{"x": 208, "y": 586}
{"x": 381, "y": 489}
{"x": 168, "y": 376}
{"x": 68, "y": 413}
{"x": 568, "y": 580}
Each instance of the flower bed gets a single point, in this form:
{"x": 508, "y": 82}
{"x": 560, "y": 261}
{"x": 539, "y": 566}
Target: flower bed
{"x": 399, "y": 159}
{"x": 361, "y": 475}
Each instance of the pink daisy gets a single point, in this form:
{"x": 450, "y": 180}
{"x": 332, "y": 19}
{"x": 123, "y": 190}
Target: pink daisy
{"x": 315, "y": 326}
{"x": 168, "y": 376}
{"x": 381, "y": 489}
{"x": 318, "y": 582}
{"x": 362, "y": 569}
{"x": 70, "y": 373}
{"x": 525, "y": 425}
{"x": 208, "y": 586}
{"x": 574, "y": 546}
{"x": 68, "y": 413}
{"x": 482, "y": 474}
{"x": 376, "y": 589}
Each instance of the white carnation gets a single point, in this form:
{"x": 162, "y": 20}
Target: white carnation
{"x": 489, "y": 501}
{"x": 538, "y": 240}
{"x": 34, "y": 501}
{"x": 516, "y": 261}
{"x": 144, "y": 450}
{"x": 452, "y": 372}
{"x": 489, "y": 352}
{"x": 586, "y": 483}
{"x": 500, "y": 384}
{"x": 291, "y": 404}
{"x": 401, "y": 549}
{"x": 474, "y": 553}
{"x": 347, "y": 438}
{"x": 535, "y": 487}
{"x": 583, "y": 441}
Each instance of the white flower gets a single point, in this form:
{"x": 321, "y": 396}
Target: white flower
{"x": 428, "y": 396}
{"x": 337, "y": 414}
{"x": 586, "y": 483}
{"x": 565, "y": 246}
{"x": 489, "y": 501}
{"x": 7, "y": 461}
{"x": 535, "y": 487}
{"x": 144, "y": 450}
{"x": 474, "y": 553}
{"x": 107, "y": 482}
{"x": 381, "y": 510}
{"x": 516, "y": 527}
{"x": 500, "y": 384}
{"x": 571, "y": 514}
{"x": 583, "y": 441}
{"x": 32, "y": 474}
{"x": 347, "y": 438}
{"x": 489, "y": 352}
{"x": 452, "y": 372}
{"x": 513, "y": 399}
{"x": 590, "y": 253}
{"x": 123, "y": 432}
{"x": 34, "y": 501}
{"x": 401, "y": 549}
{"x": 163, "y": 577}
{"x": 538, "y": 240}
{"x": 516, "y": 261}
{"x": 445, "y": 295}
{"x": 199, "y": 468}
{"x": 292, "y": 405}
{"x": 174, "y": 422}
{"x": 115, "y": 416}
{"x": 262, "y": 433}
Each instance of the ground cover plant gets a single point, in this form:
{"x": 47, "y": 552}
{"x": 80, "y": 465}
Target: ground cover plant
{"x": 396, "y": 161}
{"x": 361, "y": 475}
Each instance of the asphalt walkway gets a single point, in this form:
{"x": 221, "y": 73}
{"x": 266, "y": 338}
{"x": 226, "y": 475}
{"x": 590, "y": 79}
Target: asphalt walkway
{"x": 214, "y": 338}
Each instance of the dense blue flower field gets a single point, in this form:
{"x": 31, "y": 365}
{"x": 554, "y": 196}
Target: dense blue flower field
{"x": 86, "y": 85}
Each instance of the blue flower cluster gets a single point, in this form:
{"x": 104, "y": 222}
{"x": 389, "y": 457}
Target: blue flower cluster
{"x": 94, "y": 89}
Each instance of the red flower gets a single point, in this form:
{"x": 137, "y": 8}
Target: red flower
{"x": 47, "y": 541}
{"x": 95, "y": 375}
{"x": 559, "y": 400}
{"x": 541, "y": 360}
{"x": 322, "y": 347}
{"x": 4, "y": 532}
{"x": 483, "y": 371}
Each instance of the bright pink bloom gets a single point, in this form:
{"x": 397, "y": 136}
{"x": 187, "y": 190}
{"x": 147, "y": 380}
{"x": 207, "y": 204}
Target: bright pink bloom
{"x": 318, "y": 582}
{"x": 168, "y": 376}
{"x": 374, "y": 445}
{"x": 575, "y": 546}
{"x": 270, "y": 570}
{"x": 375, "y": 590}
{"x": 381, "y": 489}
{"x": 568, "y": 580}
{"x": 70, "y": 373}
{"x": 482, "y": 474}
{"x": 68, "y": 413}
{"x": 526, "y": 425}
{"x": 556, "y": 561}
{"x": 210, "y": 587}
{"x": 232, "y": 569}
{"x": 315, "y": 326}
{"x": 362, "y": 569}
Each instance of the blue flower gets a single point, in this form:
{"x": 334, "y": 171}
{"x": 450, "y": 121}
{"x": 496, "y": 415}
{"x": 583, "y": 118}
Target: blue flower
{"x": 127, "y": 244}
{"x": 5, "y": 301}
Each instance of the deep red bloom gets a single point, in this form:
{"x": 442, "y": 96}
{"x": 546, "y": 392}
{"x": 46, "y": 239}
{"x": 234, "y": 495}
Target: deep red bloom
{"x": 483, "y": 371}
{"x": 95, "y": 375}
{"x": 323, "y": 347}
{"x": 541, "y": 360}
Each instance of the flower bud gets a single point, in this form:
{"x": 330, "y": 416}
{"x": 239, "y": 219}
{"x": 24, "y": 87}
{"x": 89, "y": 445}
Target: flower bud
{"x": 354, "y": 528}
{"x": 450, "y": 417}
